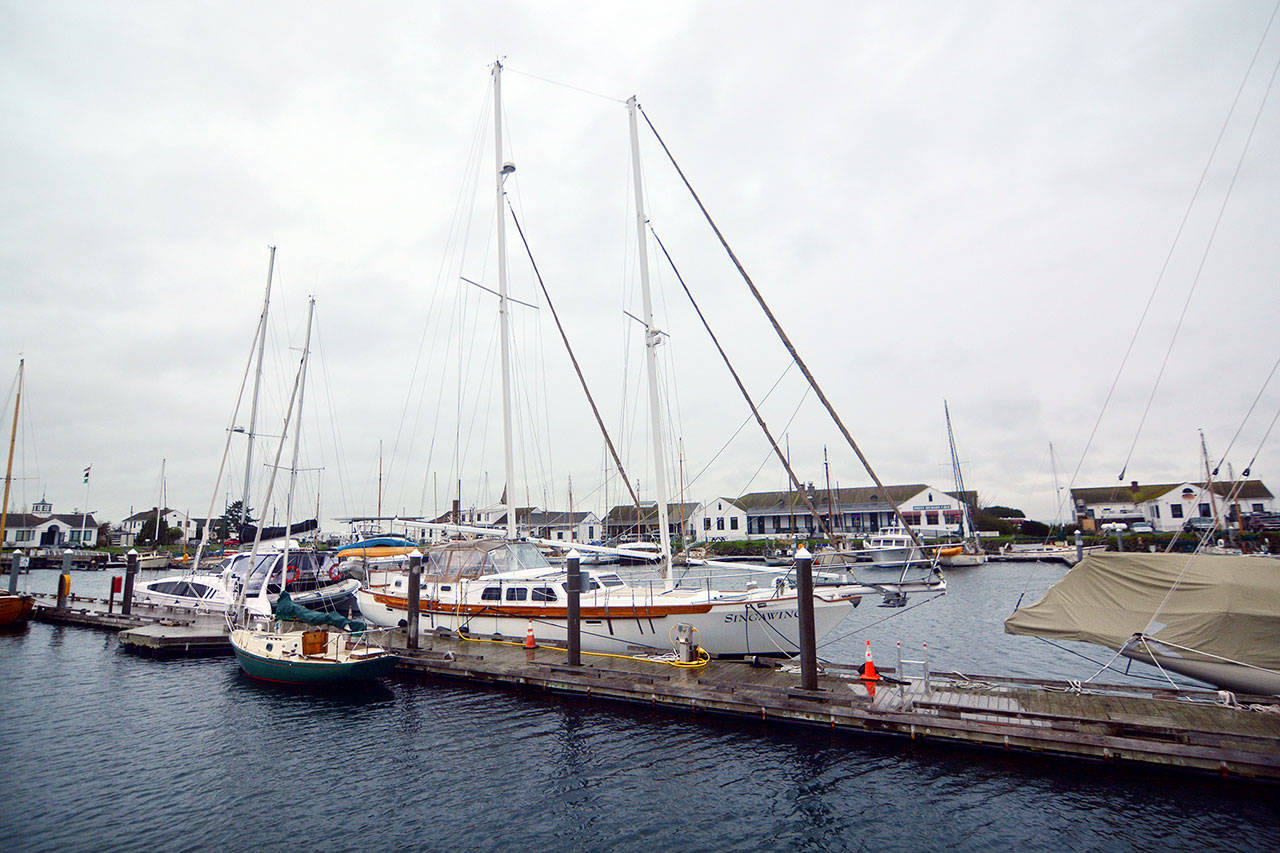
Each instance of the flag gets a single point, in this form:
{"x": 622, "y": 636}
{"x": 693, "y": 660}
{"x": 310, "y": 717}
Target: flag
{"x": 86, "y": 474}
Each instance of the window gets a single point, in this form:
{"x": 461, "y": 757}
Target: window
{"x": 517, "y": 593}
{"x": 719, "y": 524}
{"x": 591, "y": 531}
{"x": 491, "y": 593}
{"x": 706, "y": 523}
{"x": 1175, "y": 510}
{"x": 28, "y": 535}
{"x": 1204, "y": 510}
{"x": 931, "y": 518}
{"x": 611, "y": 580}
{"x": 543, "y": 593}
{"x": 733, "y": 523}
{"x": 1256, "y": 508}
{"x": 1155, "y": 510}
{"x": 914, "y": 517}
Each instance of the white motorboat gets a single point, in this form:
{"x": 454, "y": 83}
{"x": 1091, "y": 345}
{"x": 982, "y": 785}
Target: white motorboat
{"x": 891, "y": 547}
{"x": 306, "y": 579}
{"x": 498, "y": 587}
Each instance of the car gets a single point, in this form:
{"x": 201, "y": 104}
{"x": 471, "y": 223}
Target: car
{"x": 1198, "y": 525}
{"x": 1113, "y": 526}
{"x": 1262, "y": 521}
{"x": 1142, "y": 527}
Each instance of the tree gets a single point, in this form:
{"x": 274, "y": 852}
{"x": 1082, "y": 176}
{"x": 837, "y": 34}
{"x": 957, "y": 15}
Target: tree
{"x": 228, "y": 526}
{"x": 168, "y": 535}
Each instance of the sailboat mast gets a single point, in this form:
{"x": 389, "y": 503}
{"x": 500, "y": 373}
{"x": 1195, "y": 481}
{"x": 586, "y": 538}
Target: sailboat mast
{"x": 8, "y": 476}
{"x": 1208, "y": 479}
{"x": 501, "y": 170}
{"x": 159, "y": 540}
{"x": 297, "y": 435}
{"x": 257, "y": 383}
{"x": 652, "y": 337}
{"x": 966, "y": 523}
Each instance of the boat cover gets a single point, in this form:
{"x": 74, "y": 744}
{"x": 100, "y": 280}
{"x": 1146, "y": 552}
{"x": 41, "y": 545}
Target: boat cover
{"x": 1224, "y": 606}
{"x": 286, "y": 609}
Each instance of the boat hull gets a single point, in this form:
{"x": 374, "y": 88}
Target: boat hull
{"x": 724, "y": 629}
{"x": 15, "y": 609}
{"x": 1221, "y": 674}
{"x": 300, "y": 669}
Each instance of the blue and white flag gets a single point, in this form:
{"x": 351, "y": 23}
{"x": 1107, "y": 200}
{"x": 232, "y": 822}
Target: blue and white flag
{"x": 86, "y": 474}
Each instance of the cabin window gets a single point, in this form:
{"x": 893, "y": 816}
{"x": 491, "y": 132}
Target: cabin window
{"x": 611, "y": 580}
{"x": 1204, "y": 510}
{"x": 543, "y": 593}
{"x": 491, "y": 593}
{"x": 446, "y": 588}
{"x": 201, "y": 591}
{"x": 517, "y": 593}
{"x": 1175, "y": 510}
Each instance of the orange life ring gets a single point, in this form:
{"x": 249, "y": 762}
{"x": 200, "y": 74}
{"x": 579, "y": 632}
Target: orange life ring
{"x": 334, "y": 572}
{"x": 292, "y": 574}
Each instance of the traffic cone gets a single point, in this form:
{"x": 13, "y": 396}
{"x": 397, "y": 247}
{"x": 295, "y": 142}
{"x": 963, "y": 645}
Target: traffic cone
{"x": 529, "y": 641}
{"x": 869, "y": 668}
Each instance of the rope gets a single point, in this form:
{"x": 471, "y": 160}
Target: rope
{"x": 897, "y": 612}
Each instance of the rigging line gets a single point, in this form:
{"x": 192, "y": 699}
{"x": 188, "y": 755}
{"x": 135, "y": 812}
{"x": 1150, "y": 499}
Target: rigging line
{"x": 617, "y": 460}
{"x": 1168, "y": 257}
{"x": 1204, "y": 259}
{"x": 1248, "y": 414}
{"x": 744, "y": 423}
{"x": 563, "y": 85}
{"x": 898, "y": 611}
{"x": 786, "y": 341}
{"x": 808, "y": 502}
{"x": 785, "y": 429}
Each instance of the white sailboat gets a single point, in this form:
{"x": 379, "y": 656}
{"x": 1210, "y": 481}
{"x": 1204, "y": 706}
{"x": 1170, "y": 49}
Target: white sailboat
{"x": 503, "y": 586}
{"x": 969, "y": 552}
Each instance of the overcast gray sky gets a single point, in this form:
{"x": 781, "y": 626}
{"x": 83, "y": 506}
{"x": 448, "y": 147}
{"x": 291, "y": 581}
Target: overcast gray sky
{"x": 969, "y": 201}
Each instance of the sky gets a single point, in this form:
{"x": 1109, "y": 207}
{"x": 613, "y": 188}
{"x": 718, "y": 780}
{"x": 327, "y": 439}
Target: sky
{"x": 992, "y": 204}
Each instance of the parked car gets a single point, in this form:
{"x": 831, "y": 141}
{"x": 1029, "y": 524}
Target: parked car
{"x": 1113, "y": 526}
{"x": 1142, "y": 527}
{"x": 1198, "y": 525}
{"x": 1262, "y": 521}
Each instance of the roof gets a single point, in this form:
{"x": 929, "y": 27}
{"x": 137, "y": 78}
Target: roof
{"x": 626, "y": 513}
{"x": 1249, "y": 490}
{"x": 864, "y": 495}
{"x": 545, "y": 518}
{"x": 150, "y": 513}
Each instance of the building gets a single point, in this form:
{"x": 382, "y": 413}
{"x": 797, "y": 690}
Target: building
{"x": 127, "y": 533}
{"x": 851, "y": 512}
{"x": 1168, "y": 506}
{"x": 43, "y": 528}
{"x": 561, "y": 526}
{"x": 721, "y": 519}
{"x": 621, "y": 522}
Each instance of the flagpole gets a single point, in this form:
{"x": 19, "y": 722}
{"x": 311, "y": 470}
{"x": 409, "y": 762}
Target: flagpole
{"x": 85, "y": 515}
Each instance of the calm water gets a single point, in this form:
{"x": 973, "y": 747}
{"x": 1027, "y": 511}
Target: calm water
{"x": 103, "y": 750}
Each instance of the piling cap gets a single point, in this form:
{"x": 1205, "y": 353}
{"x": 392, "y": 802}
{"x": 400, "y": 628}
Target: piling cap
{"x": 574, "y": 555}
{"x": 802, "y": 553}
{"x": 415, "y": 554}
{"x": 131, "y": 552}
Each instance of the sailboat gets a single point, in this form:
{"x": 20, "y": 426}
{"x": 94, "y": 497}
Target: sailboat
{"x": 266, "y": 649}
{"x": 969, "y": 552}
{"x": 14, "y": 607}
{"x": 505, "y": 586}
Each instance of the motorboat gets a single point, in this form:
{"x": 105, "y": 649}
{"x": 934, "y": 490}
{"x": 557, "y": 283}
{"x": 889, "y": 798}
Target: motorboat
{"x": 500, "y": 587}
{"x": 306, "y": 577}
{"x": 891, "y": 547}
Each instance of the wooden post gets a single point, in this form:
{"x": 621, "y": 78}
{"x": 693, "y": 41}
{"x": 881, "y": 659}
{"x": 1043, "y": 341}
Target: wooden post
{"x": 130, "y": 570}
{"x": 573, "y": 586}
{"x": 64, "y": 589}
{"x": 415, "y": 599}
{"x": 804, "y": 602}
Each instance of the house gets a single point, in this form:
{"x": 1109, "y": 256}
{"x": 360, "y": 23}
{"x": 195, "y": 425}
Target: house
{"x": 721, "y": 519}
{"x": 127, "y": 533}
{"x": 932, "y": 511}
{"x": 1168, "y": 506}
{"x": 43, "y": 528}
{"x": 561, "y": 526}
{"x": 621, "y": 521}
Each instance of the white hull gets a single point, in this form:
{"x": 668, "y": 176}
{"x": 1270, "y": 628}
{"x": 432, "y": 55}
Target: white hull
{"x": 1226, "y": 676}
{"x": 768, "y": 626}
{"x": 962, "y": 560}
{"x": 896, "y": 557}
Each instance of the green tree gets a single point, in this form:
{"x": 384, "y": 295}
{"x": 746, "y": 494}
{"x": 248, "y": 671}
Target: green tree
{"x": 228, "y": 526}
{"x": 168, "y": 535}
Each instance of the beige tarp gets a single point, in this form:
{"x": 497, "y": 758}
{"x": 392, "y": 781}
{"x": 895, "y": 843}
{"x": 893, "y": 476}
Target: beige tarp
{"x": 1224, "y": 606}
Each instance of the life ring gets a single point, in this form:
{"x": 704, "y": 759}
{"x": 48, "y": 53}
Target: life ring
{"x": 335, "y": 572}
{"x": 292, "y": 574}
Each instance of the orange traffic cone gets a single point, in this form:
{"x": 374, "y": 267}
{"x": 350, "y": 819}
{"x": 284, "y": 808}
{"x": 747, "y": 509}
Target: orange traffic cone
{"x": 529, "y": 641}
{"x": 869, "y": 668}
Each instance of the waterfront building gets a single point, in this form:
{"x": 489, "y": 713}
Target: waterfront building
{"x": 127, "y": 533}
{"x": 1168, "y": 507}
{"x": 851, "y": 512}
{"x": 43, "y": 528}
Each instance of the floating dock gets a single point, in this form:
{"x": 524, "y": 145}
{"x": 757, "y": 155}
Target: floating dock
{"x": 1199, "y": 730}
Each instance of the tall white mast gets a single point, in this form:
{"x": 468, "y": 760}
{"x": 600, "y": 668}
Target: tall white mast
{"x": 501, "y": 170}
{"x": 652, "y": 337}
{"x": 257, "y": 382}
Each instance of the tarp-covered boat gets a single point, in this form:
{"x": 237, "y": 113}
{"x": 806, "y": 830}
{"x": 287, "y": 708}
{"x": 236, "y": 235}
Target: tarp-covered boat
{"x": 1212, "y": 618}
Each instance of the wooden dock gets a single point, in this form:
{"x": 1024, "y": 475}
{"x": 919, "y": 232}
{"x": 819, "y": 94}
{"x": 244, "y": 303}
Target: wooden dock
{"x": 1199, "y": 730}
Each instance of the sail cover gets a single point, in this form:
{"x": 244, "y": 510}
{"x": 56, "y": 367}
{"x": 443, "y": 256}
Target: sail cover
{"x": 1225, "y": 606}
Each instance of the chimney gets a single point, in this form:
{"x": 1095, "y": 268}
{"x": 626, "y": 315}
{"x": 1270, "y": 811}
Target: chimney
{"x": 1134, "y": 485}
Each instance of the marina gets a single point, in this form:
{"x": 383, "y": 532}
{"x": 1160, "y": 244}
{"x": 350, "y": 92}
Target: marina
{"x": 592, "y": 746}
